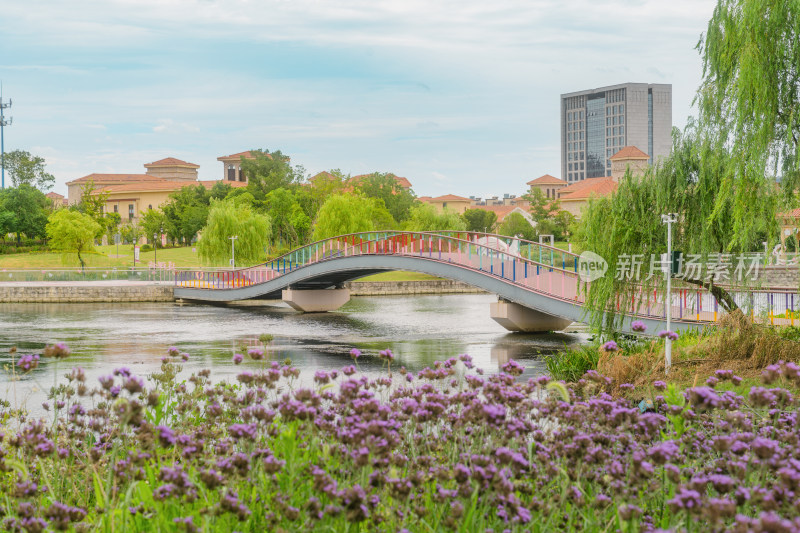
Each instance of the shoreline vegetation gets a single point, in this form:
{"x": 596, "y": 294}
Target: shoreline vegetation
{"x": 447, "y": 448}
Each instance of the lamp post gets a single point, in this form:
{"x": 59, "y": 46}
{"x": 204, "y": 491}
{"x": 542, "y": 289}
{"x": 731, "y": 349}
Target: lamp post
{"x": 233, "y": 255}
{"x": 155, "y": 249}
{"x": 669, "y": 219}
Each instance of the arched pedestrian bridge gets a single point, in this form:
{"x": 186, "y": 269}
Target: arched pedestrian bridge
{"x": 538, "y": 286}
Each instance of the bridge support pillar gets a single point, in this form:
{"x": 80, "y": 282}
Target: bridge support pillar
{"x": 515, "y": 317}
{"x": 316, "y": 301}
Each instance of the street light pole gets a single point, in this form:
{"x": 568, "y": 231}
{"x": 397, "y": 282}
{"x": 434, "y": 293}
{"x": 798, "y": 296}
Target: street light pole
{"x": 233, "y": 256}
{"x": 668, "y": 219}
{"x": 155, "y": 249}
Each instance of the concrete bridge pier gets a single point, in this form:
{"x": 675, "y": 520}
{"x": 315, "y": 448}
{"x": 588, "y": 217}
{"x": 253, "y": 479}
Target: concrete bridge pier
{"x": 316, "y": 301}
{"x": 515, "y": 317}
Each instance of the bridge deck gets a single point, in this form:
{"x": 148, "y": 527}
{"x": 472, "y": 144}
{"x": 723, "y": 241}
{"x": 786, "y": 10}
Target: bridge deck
{"x": 553, "y": 288}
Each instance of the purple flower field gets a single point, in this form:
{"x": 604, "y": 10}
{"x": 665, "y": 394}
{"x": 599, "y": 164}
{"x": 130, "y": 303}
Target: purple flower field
{"x": 447, "y": 448}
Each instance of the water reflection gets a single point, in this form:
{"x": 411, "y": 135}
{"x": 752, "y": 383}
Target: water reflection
{"x": 418, "y": 329}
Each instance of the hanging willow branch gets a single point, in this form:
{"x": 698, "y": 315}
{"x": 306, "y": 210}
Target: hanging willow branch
{"x": 718, "y": 212}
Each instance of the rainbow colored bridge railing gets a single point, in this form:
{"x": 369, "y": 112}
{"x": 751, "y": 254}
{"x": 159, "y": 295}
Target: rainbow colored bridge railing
{"x": 527, "y": 265}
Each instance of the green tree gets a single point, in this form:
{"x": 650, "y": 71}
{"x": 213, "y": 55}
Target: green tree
{"x": 220, "y": 190}
{"x": 312, "y": 197}
{"x": 689, "y": 183}
{"x": 268, "y": 171}
{"x": 153, "y": 222}
{"x": 749, "y": 98}
{"x": 24, "y": 168}
{"x": 186, "y": 212}
{"x": 563, "y": 225}
{"x": 24, "y": 210}
{"x": 71, "y": 231}
{"x": 424, "y": 217}
{"x": 384, "y": 186}
{"x": 544, "y": 213}
{"x": 516, "y": 224}
{"x": 479, "y": 220}
{"x": 112, "y": 222}
{"x": 227, "y": 219}
{"x": 342, "y": 214}
{"x": 290, "y": 224}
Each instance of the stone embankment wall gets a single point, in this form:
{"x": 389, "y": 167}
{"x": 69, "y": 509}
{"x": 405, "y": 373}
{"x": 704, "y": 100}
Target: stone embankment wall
{"x": 787, "y": 277}
{"x": 386, "y": 288}
{"x": 109, "y": 292}
{"x": 55, "y": 293}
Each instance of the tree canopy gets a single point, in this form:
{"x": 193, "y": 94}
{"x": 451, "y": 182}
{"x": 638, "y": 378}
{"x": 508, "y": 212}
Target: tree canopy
{"x": 479, "y": 220}
{"x": 269, "y": 171}
{"x": 24, "y": 168}
{"x": 72, "y": 231}
{"x": 342, "y": 214}
{"x": 290, "y": 224}
{"x": 516, "y": 224}
{"x": 186, "y": 212}
{"x": 384, "y": 186}
{"x": 749, "y": 98}
{"x": 23, "y": 210}
{"x": 425, "y": 217}
{"x": 226, "y": 219}
{"x": 687, "y": 183}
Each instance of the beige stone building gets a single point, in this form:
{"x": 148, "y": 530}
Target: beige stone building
{"x": 172, "y": 169}
{"x": 574, "y": 198}
{"x": 131, "y": 195}
{"x": 502, "y": 211}
{"x": 232, "y": 166}
{"x": 549, "y": 185}
{"x": 458, "y": 204}
{"x": 629, "y": 158}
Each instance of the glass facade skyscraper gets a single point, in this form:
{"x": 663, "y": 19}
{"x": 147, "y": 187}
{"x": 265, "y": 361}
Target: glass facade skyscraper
{"x": 597, "y": 123}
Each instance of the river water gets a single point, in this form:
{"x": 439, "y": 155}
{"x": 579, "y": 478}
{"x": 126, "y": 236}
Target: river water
{"x": 419, "y": 329}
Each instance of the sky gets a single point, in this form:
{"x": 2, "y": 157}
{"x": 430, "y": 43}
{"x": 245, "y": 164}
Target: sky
{"x": 459, "y": 96}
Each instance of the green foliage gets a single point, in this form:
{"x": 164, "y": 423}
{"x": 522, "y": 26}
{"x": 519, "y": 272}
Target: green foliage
{"x": 424, "y": 217}
{"x": 71, "y": 231}
{"x": 547, "y": 215}
{"x": 384, "y": 186}
{"x": 186, "y": 212}
{"x": 571, "y": 364}
{"x": 152, "y": 223}
{"x": 227, "y": 219}
{"x": 342, "y": 214}
{"x": 24, "y": 168}
{"x": 692, "y": 182}
{"x": 312, "y": 197}
{"x": 269, "y": 171}
{"x": 479, "y": 220}
{"x": 290, "y": 224}
{"x": 750, "y": 95}
{"x": 23, "y": 210}
{"x": 516, "y": 224}
{"x": 130, "y": 232}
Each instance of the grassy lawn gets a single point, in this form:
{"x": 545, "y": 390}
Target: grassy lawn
{"x": 397, "y": 275}
{"x": 106, "y": 257}
{"x": 102, "y": 257}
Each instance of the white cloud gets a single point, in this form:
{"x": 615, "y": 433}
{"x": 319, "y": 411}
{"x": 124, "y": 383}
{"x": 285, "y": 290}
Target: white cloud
{"x": 434, "y": 88}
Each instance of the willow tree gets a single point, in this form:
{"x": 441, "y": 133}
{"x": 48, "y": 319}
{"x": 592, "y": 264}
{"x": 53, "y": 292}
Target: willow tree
{"x": 425, "y": 217}
{"x": 343, "y": 214}
{"x": 71, "y": 231}
{"x": 227, "y": 219}
{"x": 718, "y": 213}
{"x": 750, "y": 94}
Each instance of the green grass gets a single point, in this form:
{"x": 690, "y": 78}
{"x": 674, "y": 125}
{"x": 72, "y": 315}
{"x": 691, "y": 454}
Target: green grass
{"x": 102, "y": 257}
{"x": 184, "y": 257}
{"x": 397, "y": 275}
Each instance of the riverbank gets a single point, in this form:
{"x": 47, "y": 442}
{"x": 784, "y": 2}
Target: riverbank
{"x": 144, "y": 291}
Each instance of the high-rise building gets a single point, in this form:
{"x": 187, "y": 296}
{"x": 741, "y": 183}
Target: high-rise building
{"x": 597, "y": 123}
